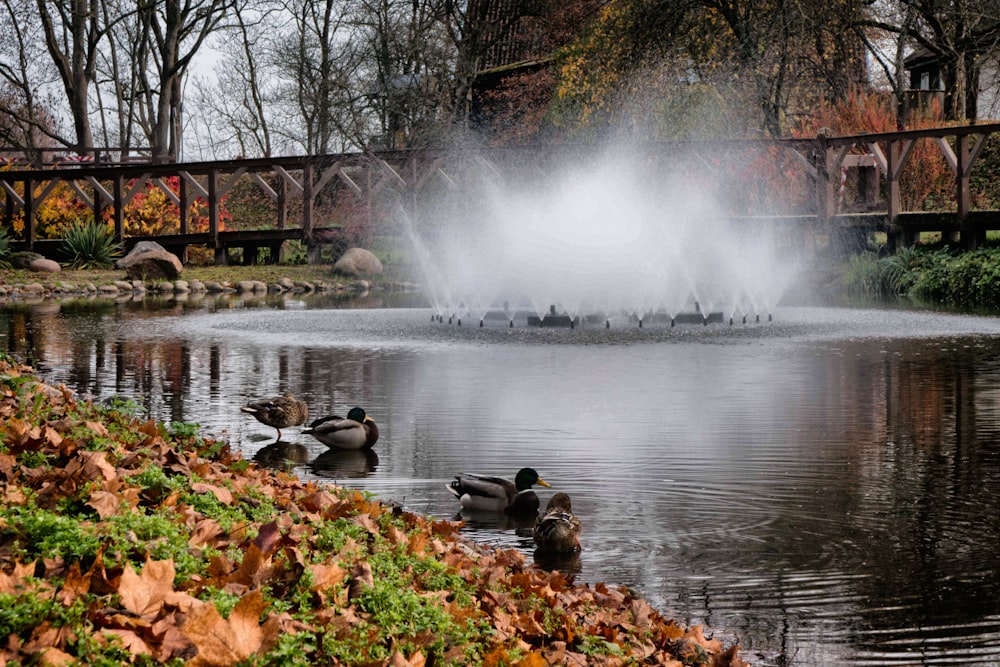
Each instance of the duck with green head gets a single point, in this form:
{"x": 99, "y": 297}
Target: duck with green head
{"x": 495, "y": 494}
{"x": 356, "y": 431}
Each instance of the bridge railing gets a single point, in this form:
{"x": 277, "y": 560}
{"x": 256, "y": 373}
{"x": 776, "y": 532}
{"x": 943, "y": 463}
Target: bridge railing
{"x": 798, "y": 181}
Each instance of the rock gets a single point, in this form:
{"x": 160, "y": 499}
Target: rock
{"x": 358, "y": 262}
{"x": 110, "y": 290}
{"x": 182, "y": 287}
{"x": 213, "y": 287}
{"x": 23, "y": 259}
{"x": 138, "y": 287}
{"x": 123, "y": 286}
{"x": 287, "y": 284}
{"x": 164, "y": 287}
{"x": 33, "y": 289}
{"x": 43, "y": 265}
{"x": 148, "y": 260}
{"x": 197, "y": 286}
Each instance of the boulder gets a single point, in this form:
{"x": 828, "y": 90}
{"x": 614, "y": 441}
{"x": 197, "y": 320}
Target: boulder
{"x": 23, "y": 259}
{"x": 149, "y": 261}
{"x": 358, "y": 262}
{"x": 44, "y": 266}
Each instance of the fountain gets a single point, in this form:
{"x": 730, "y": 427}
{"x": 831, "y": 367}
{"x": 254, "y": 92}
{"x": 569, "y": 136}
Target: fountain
{"x": 597, "y": 242}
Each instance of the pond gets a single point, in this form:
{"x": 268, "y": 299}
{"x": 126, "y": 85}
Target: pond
{"x": 823, "y": 488}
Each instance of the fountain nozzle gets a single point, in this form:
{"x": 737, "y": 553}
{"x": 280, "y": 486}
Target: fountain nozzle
{"x": 769, "y": 317}
{"x": 758, "y": 317}
{"x": 460, "y": 321}
{"x": 640, "y": 323}
{"x": 730, "y": 321}
{"x": 512, "y": 324}
{"x": 744, "y": 319}
{"x": 607, "y": 324}
{"x": 480, "y": 324}
{"x": 671, "y": 323}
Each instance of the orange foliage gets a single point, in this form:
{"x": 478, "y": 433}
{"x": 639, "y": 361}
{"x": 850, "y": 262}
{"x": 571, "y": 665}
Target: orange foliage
{"x": 927, "y": 182}
{"x": 149, "y": 212}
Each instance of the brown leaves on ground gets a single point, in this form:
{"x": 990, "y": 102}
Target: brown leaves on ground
{"x": 141, "y": 605}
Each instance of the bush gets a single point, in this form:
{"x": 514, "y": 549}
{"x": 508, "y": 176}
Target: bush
{"x": 90, "y": 246}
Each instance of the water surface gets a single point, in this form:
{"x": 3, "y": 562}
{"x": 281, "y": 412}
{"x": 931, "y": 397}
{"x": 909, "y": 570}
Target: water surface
{"x": 824, "y": 488}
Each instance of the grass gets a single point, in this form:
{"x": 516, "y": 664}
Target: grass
{"x": 264, "y": 272}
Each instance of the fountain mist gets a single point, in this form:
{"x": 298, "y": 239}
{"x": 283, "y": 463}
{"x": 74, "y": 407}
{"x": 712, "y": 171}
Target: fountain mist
{"x": 601, "y": 238}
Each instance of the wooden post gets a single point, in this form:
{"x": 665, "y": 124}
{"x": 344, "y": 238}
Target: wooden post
{"x": 969, "y": 237}
{"x": 29, "y": 213}
{"x": 824, "y": 184}
{"x": 313, "y": 251}
{"x": 119, "y": 189}
{"x": 282, "y": 203}
{"x": 221, "y": 254}
{"x": 893, "y": 232}
{"x": 182, "y": 195}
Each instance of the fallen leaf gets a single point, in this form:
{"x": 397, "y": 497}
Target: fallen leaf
{"x": 222, "y": 494}
{"x": 132, "y": 642}
{"x": 144, "y": 594}
{"x": 105, "y": 503}
{"x": 361, "y": 579}
{"x": 225, "y": 642}
{"x": 53, "y": 657}
{"x": 75, "y": 585}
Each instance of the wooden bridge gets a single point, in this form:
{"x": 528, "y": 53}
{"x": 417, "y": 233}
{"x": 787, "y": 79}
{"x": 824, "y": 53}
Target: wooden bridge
{"x": 847, "y": 188}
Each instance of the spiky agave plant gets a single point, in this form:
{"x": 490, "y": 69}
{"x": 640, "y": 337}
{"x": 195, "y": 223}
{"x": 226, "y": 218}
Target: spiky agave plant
{"x": 90, "y": 246}
{"x": 4, "y": 249}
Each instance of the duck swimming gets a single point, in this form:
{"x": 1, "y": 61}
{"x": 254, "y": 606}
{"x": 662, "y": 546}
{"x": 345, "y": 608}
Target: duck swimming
{"x": 356, "y": 431}
{"x": 279, "y": 412}
{"x": 558, "y": 530}
{"x": 495, "y": 494}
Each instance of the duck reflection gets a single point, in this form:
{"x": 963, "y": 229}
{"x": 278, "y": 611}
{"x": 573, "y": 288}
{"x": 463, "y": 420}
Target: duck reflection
{"x": 344, "y": 463}
{"x": 485, "y": 520}
{"x": 282, "y": 455}
{"x": 565, "y": 562}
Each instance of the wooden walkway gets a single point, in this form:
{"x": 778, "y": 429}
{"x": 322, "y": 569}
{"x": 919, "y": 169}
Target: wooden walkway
{"x": 383, "y": 183}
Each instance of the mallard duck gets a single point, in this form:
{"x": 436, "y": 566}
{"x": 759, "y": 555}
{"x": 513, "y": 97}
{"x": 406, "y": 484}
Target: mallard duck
{"x": 280, "y": 412}
{"x": 356, "y": 431}
{"x": 495, "y": 494}
{"x": 558, "y": 530}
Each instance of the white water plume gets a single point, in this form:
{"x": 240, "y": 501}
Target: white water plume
{"x": 606, "y": 237}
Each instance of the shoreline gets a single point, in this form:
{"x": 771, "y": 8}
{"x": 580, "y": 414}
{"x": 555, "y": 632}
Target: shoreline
{"x": 211, "y": 579}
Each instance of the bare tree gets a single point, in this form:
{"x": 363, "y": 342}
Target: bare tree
{"x": 959, "y": 33}
{"x": 27, "y": 100}
{"x": 235, "y": 109}
{"x": 73, "y": 30}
